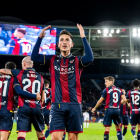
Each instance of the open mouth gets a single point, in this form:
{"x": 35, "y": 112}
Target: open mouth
{"x": 64, "y": 47}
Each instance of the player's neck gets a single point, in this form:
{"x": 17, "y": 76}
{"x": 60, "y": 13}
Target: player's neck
{"x": 65, "y": 53}
{"x": 136, "y": 87}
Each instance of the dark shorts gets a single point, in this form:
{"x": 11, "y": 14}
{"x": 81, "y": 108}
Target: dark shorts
{"x": 66, "y": 116}
{"x": 135, "y": 119}
{"x": 112, "y": 114}
{"x": 46, "y": 113}
{"x": 27, "y": 116}
{"x": 124, "y": 120}
{"x": 6, "y": 120}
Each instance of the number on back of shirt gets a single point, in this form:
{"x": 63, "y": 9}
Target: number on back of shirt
{"x": 26, "y": 48}
{"x": 4, "y": 85}
{"x": 35, "y": 85}
{"x": 135, "y": 99}
{"x": 115, "y": 97}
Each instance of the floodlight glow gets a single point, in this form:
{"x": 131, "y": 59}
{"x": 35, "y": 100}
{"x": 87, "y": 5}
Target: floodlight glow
{"x": 139, "y": 34}
{"x": 99, "y": 31}
{"x": 104, "y": 34}
{"x": 132, "y": 60}
{"x": 139, "y": 30}
{"x": 127, "y": 54}
{"x": 122, "y": 54}
{"x": 137, "y": 61}
{"x": 117, "y": 31}
{"x": 127, "y": 60}
{"x": 122, "y": 61}
{"x": 110, "y": 35}
{"x": 112, "y": 31}
{"x": 134, "y": 30}
{"x": 134, "y": 34}
{"x": 105, "y": 31}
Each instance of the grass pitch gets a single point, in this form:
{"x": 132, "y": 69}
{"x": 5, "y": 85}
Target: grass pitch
{"x": 94, "y": 132}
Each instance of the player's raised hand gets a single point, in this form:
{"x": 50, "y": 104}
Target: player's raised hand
{"x": 42, "y": 34}
{"x": 93, "y": 110}
{"x": 81, "y": 30}
{"x": 38, "y": 96}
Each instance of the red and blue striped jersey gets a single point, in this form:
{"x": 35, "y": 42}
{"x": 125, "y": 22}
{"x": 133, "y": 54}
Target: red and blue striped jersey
{"x": 47, "y": 95}
{"x": 134, "y": 97}
{"x": 6, "y": 92}
{"x": 31, "y": 82}
{"x": 112, "y": 96}
{"x": 124, "y": 110}
{"x": 65, "y": 78}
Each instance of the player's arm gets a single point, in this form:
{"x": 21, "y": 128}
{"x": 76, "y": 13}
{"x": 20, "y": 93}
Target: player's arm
{"x": 98, "y": 104}
{"x": 40, "y": 57}
{"x": 5, "y": 71}
{"x": 48, "y": 100}
{"x": 88, "y": 57}
{"x": 11, "y": 46}
{"x": 23, "y": 93}
{"x": 123, "y": 99}
{"x": 42, "y": 96}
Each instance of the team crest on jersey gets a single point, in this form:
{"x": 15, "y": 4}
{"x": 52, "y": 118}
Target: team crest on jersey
{"x": 71, "y": 61}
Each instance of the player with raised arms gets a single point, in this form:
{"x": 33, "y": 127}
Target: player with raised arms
{"x": 7, "y": 83}
{"x": 134, "y": 97}
{"x": 65, "y": 70}
{"x": 112, "y": 96}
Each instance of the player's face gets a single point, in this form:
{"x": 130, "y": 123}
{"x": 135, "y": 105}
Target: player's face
{"x": 19, "y": 35}
{"x": 108, "y": 83}
{"x": 65, "y": 43}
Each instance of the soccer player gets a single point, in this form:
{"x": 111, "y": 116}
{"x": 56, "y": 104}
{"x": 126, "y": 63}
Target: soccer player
{"x": 65, "y": 70}
{"x": 7, "y": 101}
{"x": 112, "y": 95}
{"x": 29, "y": 111}
{"x": 134, "y": 97}
{"x": 18, "y": 45}
{"x": 124, "y": 115}
{"x": 47, "y": 105}
{"x": 86, "y": 119}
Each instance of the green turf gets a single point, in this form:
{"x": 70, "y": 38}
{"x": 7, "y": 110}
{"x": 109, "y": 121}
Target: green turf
{"x": 94, "y": 132}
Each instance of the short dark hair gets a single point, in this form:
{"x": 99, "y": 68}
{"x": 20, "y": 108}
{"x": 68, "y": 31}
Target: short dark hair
{"x": 10, "y": 65}
{"x": 21, "y": 30}
{"x": 136, "y": 83}
{"x": 66, "y": 33}
{"x": 46, "y": 82}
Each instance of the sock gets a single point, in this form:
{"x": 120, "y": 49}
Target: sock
{"x": 133, "y": 131}
{"x": 106, "y": 135}
{"x": 138, "y": 134}
{"x": 64, "y": 136}
{"x": 124, "y": 131}
{"x": 84, "y": 124}
{"x": 47, "y": 133}
{"x": 21, "y": 138}
{"x": 43, "y": 138}
{"x": 87, "y": 124}
{"x": 119, "y": 134}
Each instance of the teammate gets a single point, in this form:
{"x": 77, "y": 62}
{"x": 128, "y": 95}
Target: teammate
{"x": 7, "y": 101}
{"x": 29, "y": 111}
{"x": 65, "y": 72}
{"x": 18, "y": 45}
{"x": 134, "y": 97}
{"x": 124, "y": 115}
{"x": 86, "y": 119}
{"x": 112, "y": 95}
{"x": 47, "y": 105}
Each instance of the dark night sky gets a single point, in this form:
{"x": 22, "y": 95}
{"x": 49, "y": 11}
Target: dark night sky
{"x": 86, "y": 13}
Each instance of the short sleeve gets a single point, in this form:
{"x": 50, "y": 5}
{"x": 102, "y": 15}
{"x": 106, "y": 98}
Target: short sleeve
{"x": 104, "y": 93}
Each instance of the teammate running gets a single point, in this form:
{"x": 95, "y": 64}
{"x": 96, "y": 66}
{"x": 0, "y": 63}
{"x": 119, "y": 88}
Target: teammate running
{"x": 134, "y": 97}
{"x": 124, "y": 116}
{"x": 29, "y": 111}
{"x": 7, "y": 100}
{"x": 112, "y": 96}
{"x": 65, "y": 70}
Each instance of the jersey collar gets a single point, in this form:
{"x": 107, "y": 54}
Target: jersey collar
{"x": 66, "y": 56}
{"x": 30, "y": 69}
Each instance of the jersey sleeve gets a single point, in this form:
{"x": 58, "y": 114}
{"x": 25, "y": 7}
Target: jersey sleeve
{"x": 12, "y": 43}
{"x": 127, "y": 95}
{"x": 104, "y": 93}
{"x": 15, "y": 72}
{"x": 88, "y": 57}
{"x": 35, "y": 56}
